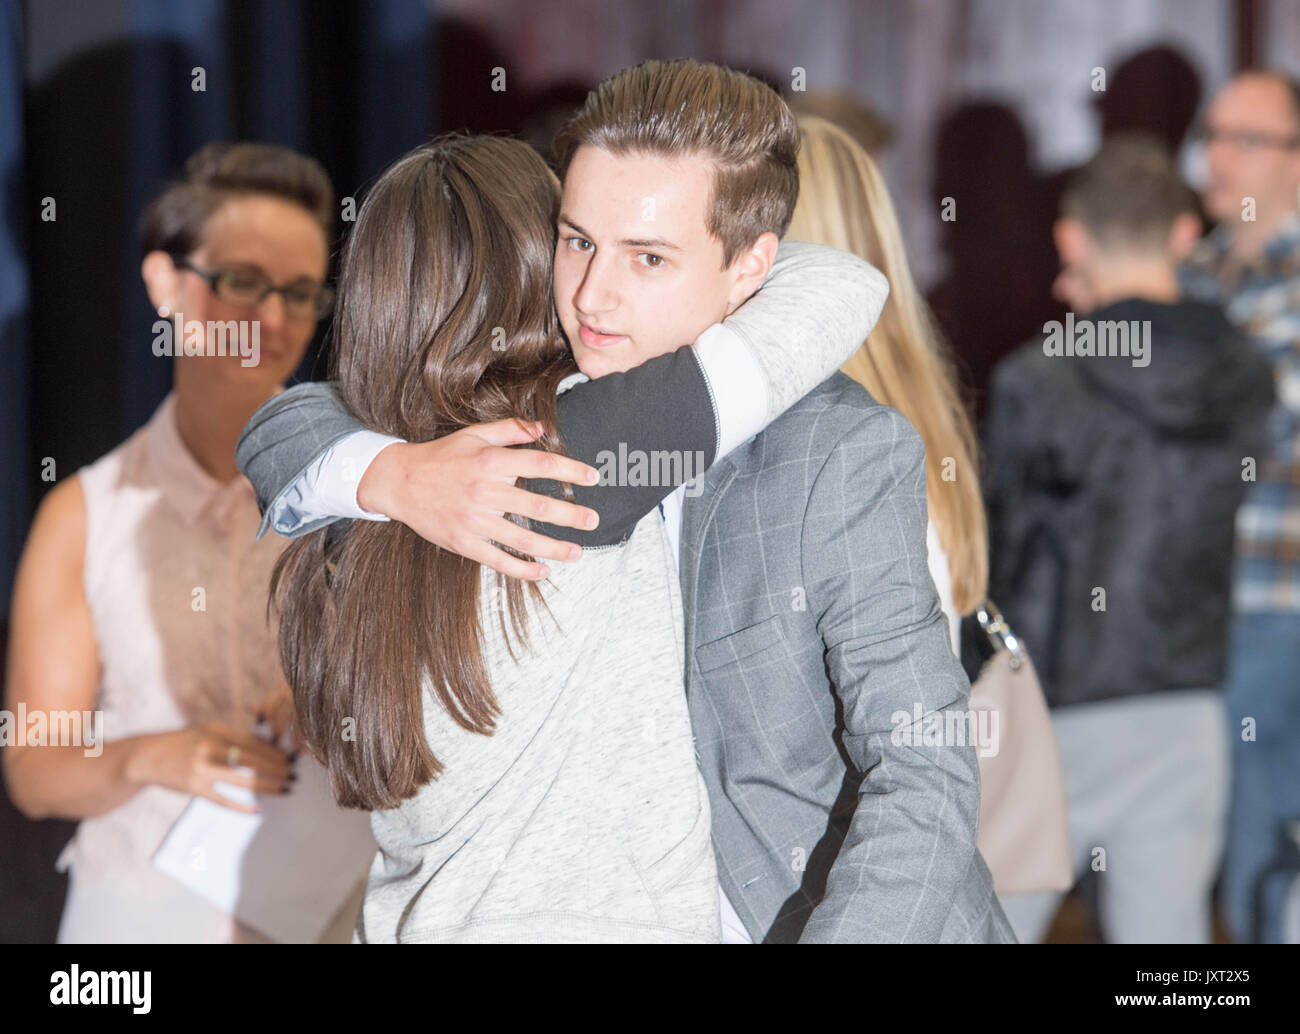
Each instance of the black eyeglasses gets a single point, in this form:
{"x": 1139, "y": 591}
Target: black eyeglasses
{"x": 247, "y": 289}
{"x": 1246, "y": 139}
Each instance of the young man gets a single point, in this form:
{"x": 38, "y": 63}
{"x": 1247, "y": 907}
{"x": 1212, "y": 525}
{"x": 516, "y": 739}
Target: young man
{"x": 812, "y": 623}
{"x": 1115, "y": 448}
{"x": 1251, "y": 265}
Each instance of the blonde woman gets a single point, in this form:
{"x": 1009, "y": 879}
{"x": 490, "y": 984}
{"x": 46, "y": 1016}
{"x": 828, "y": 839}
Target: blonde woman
{"x": 904, "y": 363}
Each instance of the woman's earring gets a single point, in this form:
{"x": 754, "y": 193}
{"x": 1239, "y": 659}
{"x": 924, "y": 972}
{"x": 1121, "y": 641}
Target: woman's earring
{"x": 163, "y": 311}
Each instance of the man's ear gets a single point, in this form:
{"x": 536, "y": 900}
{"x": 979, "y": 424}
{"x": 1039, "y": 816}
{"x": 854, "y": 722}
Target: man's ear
{"x": 1071, "y": 241}
{"x": 750, "y": 269}
{"x": 160, "y": 280}
{"x": 1183, "y": 235}
{"x": 1294, "y": 168}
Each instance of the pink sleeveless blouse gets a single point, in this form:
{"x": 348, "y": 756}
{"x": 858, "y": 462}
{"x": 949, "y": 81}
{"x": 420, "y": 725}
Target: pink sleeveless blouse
{"x": 177, "y": 585}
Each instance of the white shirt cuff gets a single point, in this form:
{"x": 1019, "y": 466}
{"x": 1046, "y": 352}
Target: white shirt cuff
{"x": 328, "y": 488}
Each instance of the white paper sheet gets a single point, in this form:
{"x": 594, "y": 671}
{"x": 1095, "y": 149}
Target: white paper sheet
{"x": 285, "y": 872}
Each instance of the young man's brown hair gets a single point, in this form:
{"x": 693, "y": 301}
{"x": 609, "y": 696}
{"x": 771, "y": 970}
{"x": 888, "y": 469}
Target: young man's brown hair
{"x": 1129, "y": 194}
{"x": 686, "y": 107}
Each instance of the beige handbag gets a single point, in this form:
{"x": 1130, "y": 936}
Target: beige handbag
{"x": 1023, "y": 834}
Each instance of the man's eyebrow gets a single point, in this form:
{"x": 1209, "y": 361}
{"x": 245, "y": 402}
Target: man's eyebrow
{"x": 649, "y": 242}
{"x": 627, "y": 242}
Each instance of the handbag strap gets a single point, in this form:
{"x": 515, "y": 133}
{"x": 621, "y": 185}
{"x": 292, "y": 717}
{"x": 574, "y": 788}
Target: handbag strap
{"x": 999, "y": 632}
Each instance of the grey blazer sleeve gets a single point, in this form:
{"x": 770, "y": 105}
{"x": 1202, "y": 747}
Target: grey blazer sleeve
{"x": 284, "y": 437}
{"x": 911, "y": 839}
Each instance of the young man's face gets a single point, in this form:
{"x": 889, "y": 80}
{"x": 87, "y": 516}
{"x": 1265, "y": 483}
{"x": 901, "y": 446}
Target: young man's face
{"x": 637, "y": 273}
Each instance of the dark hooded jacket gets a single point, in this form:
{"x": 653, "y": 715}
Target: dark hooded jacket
{"x": 1112, "y": 491}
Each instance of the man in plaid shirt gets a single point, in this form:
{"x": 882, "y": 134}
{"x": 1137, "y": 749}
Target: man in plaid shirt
{"x": 1251, "y": 264}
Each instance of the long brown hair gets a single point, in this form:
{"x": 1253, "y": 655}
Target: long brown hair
{"x": 904, "y": 363}
{"x": 445, "y": 318}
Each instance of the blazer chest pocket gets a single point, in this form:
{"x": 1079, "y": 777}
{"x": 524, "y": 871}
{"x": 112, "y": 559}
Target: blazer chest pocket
{"x": 748, "y": 642}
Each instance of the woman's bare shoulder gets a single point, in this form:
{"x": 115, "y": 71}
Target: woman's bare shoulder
{"x": 59, "y": 529}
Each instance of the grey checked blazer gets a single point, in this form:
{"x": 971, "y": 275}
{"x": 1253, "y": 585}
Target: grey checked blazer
{"x": 811, "y": 624}
{"x": 811, "y": 621}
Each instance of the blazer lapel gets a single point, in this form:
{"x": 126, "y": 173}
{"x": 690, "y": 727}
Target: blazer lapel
{"x": 697, "y": 515}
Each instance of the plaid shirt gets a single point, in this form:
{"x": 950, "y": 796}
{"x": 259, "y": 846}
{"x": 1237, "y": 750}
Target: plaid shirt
{"x": 1264, "y": 303}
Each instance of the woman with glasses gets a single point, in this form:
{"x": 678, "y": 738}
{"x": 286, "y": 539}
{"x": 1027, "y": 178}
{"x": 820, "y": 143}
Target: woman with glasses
{"x": 142, "y": 592}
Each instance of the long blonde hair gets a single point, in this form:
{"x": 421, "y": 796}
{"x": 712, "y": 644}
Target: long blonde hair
{"x": 904, "y": 363}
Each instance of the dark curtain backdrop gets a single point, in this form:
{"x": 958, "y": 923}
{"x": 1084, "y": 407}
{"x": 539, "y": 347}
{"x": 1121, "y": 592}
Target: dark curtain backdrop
{"x": 15, "y": 367}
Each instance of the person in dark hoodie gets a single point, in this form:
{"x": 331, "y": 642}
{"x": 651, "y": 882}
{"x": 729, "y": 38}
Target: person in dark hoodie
{"x": 1118, "y": 449}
